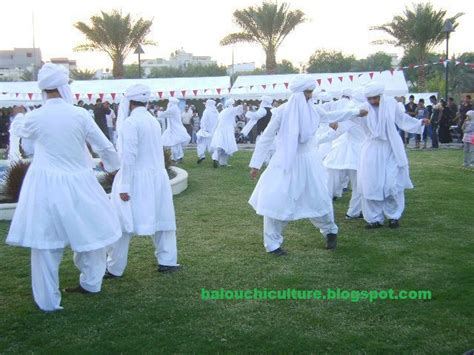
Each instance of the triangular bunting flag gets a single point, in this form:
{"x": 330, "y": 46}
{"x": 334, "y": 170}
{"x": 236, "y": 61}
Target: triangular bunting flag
{"x": 160, "y": 94}
{"x": 273, "y": 85}
{"x": 330, "y": 80}
{"x": 17, "y": 94}
{"x": 218, "y": 91}
{"x": 371, "y": 74}
{"x": 318, "y": 81}
{"x": 183, "y": 92}
{"x": 89, "y": 96}
{"x": 340, "y": 78}
{"x": 264, "y": 87}
{"x": 172, "y": 93}
{"x": 392, "y": 70}
{"x": 286, "y": 85}
{"x": 251, "y": 87}
{"x": 195, "y": 92}
{"x": 351, "y": 77}
{"x": 30, "y": 95}
{"x": 77, "y": 96}
{"x": 113, "y": 95}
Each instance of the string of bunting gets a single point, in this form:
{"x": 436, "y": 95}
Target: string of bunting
{"x": 222, "y": 91}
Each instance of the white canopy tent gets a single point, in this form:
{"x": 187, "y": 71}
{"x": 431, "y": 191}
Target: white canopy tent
{"x": 112, "y": 90}
{"x": 252, "y": 87}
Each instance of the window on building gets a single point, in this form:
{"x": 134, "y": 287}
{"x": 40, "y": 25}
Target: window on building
{"x": 29, "y": 55}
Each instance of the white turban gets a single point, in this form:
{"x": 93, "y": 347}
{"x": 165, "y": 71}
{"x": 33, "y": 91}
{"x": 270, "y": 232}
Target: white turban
{"x": 374, "y": 89}
{"x": 470, "y": 113}
{"x": 229, "y": 103}
{"x": 324, "y": 96}
{"x": 302, "y": 83}
{"x": 210, "y": 103}
{"x": 52, "y": 76}
{"x": 138, "y": 92}
{"x": 267, "y": 101}
{"x": 347, "y": 92}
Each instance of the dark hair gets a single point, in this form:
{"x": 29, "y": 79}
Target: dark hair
{"x": 450, "y": 99}
{"x": 51, "y": 91}
{"x": 80, "y": 102}
{"x": 412, "y": 97}
{"x": 468, "y": 96}
{"x": 433, "y": 97}
{"x": 98, "y": 100}
{"x": 422, "y": 101}
{"x": 137, "y": 103}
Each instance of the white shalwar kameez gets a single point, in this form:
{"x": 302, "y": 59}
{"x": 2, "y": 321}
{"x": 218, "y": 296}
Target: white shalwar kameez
{"x": 223, "y": 142}
{"x": 383, "y": 172}
{"x": 143, "y": 176}
{"x": 175, "y": 135}
{"x": 294, "y": 185}
{"x": 61, "y": 202}
{"x": 208, "y": 126}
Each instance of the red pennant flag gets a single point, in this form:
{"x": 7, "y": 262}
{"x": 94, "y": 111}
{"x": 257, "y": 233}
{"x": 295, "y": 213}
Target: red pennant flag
{"x": 160, "y": 94}
{"x": 330, "y": 80}
{"x": 286, "y": 85}
{"x": 113, "y": 94}
{"x": 318, "y": 81}
{"x": 77, "y": 96}
{"x": 101, "y": 96}
{"x": 392, "y": 70}
{"x": 183, "y": 92}
{"x": 17, "y": 94}
{"x": 340, "y": 78}
{"x": 89, "y": 96}
{"x": 264, "y": 87}
{"x": 371, "y": 74}
{"x": 172, "y": 93}
{"x": 351, "y": 77}
{"x": 195, "y": 92}
{"x": 251, "y": 86}
{"x": 30, "y": 95}
{"x": 274, "y": 85}
{"x": 205, "y": 90}
{"x": 218, "y": 91}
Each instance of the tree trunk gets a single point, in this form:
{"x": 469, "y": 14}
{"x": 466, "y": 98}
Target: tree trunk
{"x": 118, "y": 70}
{"x": 270, "y": 63}
{"x": 421, "y": 75}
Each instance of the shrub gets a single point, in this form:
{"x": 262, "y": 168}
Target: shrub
{"x": 13, "y": 179}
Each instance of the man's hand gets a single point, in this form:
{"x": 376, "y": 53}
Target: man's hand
{"x": 254, "y": 173}
{"x": 334, "y": 125}
{"x": 363, "y": 113}
{"x": 425, "y": 122}
{"x": 124, "y": 196}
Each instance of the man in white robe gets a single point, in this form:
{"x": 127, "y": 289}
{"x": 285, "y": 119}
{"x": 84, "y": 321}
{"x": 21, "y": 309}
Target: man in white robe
{"x": 383, "y": 172}
{"x": 61, "y": 202}
{"x": 223, "y": 142}
{"x": 207, "y": 129}
{"x": 175, "y": 135}
{"x": 141, "y": 192}
{"x": 294, "y": 185}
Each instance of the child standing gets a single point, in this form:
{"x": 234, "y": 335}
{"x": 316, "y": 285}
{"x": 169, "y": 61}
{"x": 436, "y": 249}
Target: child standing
{"x": 468, "y": 139}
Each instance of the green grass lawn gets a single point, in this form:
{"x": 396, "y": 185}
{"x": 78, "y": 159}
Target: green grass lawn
{"x": 220, "y": 246}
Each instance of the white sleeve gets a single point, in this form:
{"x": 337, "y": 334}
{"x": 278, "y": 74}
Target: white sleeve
{"x": 326, "y": 136}
{"x": 336, "y": 116}
{"x": 129, "y": 155}
{"x": 101, "y": 145}
{"x": 407, "y": 123}
{"x": 265, "y": 141}
{"x": 23, "y": 126}
{"x": 253, "y": 119}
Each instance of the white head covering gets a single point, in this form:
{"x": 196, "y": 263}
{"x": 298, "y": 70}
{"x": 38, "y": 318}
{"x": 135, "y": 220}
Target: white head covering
{"x": 210, "y": 103}
{"x": 138, "y": 92}
{"x": 470, "y": 113}
{"x": 374, "y": 89}
{"x": 324, "y": 96}
{"x": 347, "y": 92}
{"x": 52, "y": 76}
{"x": 229, "y": 103}
{"x": 267, "y": 101}
{"x": 299, "y": 122}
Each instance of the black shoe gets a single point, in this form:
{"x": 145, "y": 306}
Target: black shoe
{"x": 393, "y": 223}
{"x": 373, "y": 225}
{"x": 278, "y": 252}
{"x": 215, "y": 164}
{"x": 331, "y": 241}
{"x": 77, "y": 289}
{"x": 109, "y": 275}
{"x": 354, "y": 217}
{"x": 200, "y": 160}
{"x": 168, "y": 268}
{"x": 334, "y": 198}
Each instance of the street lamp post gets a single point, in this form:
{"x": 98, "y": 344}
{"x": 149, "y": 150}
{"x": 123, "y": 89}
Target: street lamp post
{"x": 139, "y": 51}
{"x": 447, "y": 28}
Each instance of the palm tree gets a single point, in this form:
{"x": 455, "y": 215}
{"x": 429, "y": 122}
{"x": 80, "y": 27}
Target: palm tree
{"x": 82, "y": 74}
{"x": 418, "y": 30}
{"x": 267, "y": 25}
{"x": 115, "y": 34}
